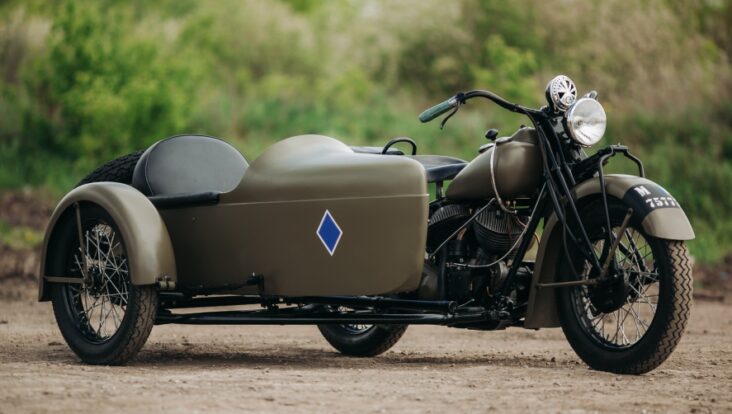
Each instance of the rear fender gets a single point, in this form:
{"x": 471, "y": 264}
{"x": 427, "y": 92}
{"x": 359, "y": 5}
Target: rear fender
{"x": 661, "y": 216}
{"x": 149, "y": 250}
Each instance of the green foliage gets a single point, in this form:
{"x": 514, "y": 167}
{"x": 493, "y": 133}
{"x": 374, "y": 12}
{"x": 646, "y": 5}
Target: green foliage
{"x": 100, "y": 89}
{"x": 510, "y": 69}
{"x": 83, "y": 81}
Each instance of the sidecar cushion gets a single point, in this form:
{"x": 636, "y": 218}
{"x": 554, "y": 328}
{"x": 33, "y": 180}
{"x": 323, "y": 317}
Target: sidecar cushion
{"x": 187, "y": 164}
{"x": 440, "y": 167}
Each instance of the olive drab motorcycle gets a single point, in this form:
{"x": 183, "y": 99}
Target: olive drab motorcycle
{"x": 346, "y": 238}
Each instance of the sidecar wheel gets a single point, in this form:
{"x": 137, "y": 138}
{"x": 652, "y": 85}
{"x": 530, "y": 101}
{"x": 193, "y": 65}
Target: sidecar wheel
{"x": 105, "y": 320}
{"x": 362, "y": 340}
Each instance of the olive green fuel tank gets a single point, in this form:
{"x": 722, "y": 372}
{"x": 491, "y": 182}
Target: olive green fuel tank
{"x": 517, "y": 167}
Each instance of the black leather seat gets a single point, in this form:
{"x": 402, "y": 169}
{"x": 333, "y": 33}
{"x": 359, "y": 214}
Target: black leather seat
{"x": 437, "y": 167}
{"x": 188, "y": 169}
{"x": 440, "y": 167}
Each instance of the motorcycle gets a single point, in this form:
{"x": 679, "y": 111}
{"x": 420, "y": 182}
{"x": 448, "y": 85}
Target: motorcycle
{"x": 531, "y": 233}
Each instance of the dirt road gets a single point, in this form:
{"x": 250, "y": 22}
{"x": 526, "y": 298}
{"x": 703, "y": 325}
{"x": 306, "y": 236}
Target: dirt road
{"x": 292, "y": 369}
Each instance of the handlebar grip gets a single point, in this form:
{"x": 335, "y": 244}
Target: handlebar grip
{"x": 438, "y": 110}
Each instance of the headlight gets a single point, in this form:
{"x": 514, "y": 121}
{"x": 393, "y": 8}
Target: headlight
{"x": 561, "y": 93}
{"x": 586, "y": 122}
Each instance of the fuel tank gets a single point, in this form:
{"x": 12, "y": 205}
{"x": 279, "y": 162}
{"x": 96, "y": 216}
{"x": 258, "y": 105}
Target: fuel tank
{"x": 517, "y": 167}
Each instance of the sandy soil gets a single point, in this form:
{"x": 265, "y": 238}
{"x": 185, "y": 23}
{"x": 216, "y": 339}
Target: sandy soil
{"x": 292, "y": 369}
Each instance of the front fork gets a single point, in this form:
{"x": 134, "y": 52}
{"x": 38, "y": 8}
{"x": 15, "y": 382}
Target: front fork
{"x": 606, "y": 270}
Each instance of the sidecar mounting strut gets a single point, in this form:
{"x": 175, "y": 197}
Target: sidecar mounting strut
{"x": 299, "y": 316}
{"x": 311, "y": 310}
{"x": 173, "y": 300}
{"x": 441, "y": 306}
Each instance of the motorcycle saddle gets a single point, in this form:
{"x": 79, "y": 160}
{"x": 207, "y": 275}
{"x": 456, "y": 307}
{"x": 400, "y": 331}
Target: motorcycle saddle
{"x": 188, "y": 169}
{"x": 439, "y": 167}
{"x": 376, "y": 150}
{"x": 436, "y": 167}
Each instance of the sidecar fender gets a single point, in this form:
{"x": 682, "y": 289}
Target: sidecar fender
{"x": 149, "y": 250}
{"x": 661, "y": 215}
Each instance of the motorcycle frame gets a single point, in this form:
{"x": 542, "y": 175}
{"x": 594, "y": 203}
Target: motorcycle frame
{"x": 559, "y": 178}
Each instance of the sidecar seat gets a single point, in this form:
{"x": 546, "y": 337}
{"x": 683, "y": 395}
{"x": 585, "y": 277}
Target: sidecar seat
{"x": 188, "y": 169}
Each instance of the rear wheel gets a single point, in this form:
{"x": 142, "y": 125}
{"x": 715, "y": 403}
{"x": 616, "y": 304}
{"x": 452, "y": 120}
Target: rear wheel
{"x": 632, "y": 325}
{"x": 362, "y": 340}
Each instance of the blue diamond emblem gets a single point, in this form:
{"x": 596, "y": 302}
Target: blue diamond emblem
{"x": 329, "y": 232}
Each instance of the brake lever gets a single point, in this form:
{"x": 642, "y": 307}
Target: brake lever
{"x": 460, "y": 98}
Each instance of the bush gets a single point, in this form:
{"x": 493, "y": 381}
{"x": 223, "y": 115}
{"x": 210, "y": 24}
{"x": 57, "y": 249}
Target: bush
{"x": 83, "y": 81}
{"x": 100, "y": 89}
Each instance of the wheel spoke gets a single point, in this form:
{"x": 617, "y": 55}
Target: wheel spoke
{"x": 100, "y": 303}
{"x": 626, "y": 323}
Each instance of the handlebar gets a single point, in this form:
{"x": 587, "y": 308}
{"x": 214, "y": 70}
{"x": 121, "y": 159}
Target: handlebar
{"x": 460, "y": 98}
{"x": 438, "y": 109}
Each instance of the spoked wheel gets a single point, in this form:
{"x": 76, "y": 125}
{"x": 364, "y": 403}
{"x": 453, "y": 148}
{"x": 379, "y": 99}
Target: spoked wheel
{"x": 362, "y": 340}
{"x": 106, "y": 319}
{"x": 632, "y": 324}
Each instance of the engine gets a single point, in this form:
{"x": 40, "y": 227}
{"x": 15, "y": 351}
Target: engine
{"x": 445, "y": 221}
{"x": 462, "y": 264}
{"x": 497, "y": 232}
{"x": 494, "y": 231}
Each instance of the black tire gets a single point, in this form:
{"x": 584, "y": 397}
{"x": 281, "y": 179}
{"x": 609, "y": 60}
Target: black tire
{"x": 374, "y": 340}
{"x": 128, "y": 340}
{"x": 141, "y": 301}
{"x": 118, "y": 170}
{"x": 669, "y": 281}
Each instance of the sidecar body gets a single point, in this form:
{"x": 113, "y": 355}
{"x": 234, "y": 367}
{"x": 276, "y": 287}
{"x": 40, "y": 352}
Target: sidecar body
{"x": 307, "y": 217}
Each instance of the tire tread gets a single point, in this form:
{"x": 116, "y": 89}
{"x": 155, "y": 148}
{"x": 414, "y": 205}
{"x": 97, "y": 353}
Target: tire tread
{"x": 119, "y": 170}
{"x": 146, "y": 303}
{"x": 678, "y": 317}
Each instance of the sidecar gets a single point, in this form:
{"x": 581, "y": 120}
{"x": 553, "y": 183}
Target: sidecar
{"x": 308, "y": 217}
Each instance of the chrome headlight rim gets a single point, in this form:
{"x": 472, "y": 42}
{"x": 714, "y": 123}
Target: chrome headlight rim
{"x": 586, "y": 122}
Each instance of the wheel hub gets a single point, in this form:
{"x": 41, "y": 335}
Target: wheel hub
{"x": 96, "y": 281}
{"x": 610, "y": 296}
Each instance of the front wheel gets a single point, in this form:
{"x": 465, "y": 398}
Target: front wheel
{"x": 632, "y": 325}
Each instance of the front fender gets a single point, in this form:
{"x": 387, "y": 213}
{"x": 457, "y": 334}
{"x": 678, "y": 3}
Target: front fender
{"x": 661, "y": 215}
{"x": 149, "y": 250}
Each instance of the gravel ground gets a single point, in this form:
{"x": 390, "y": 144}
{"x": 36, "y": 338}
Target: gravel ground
{"x": 292, "y": 369}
